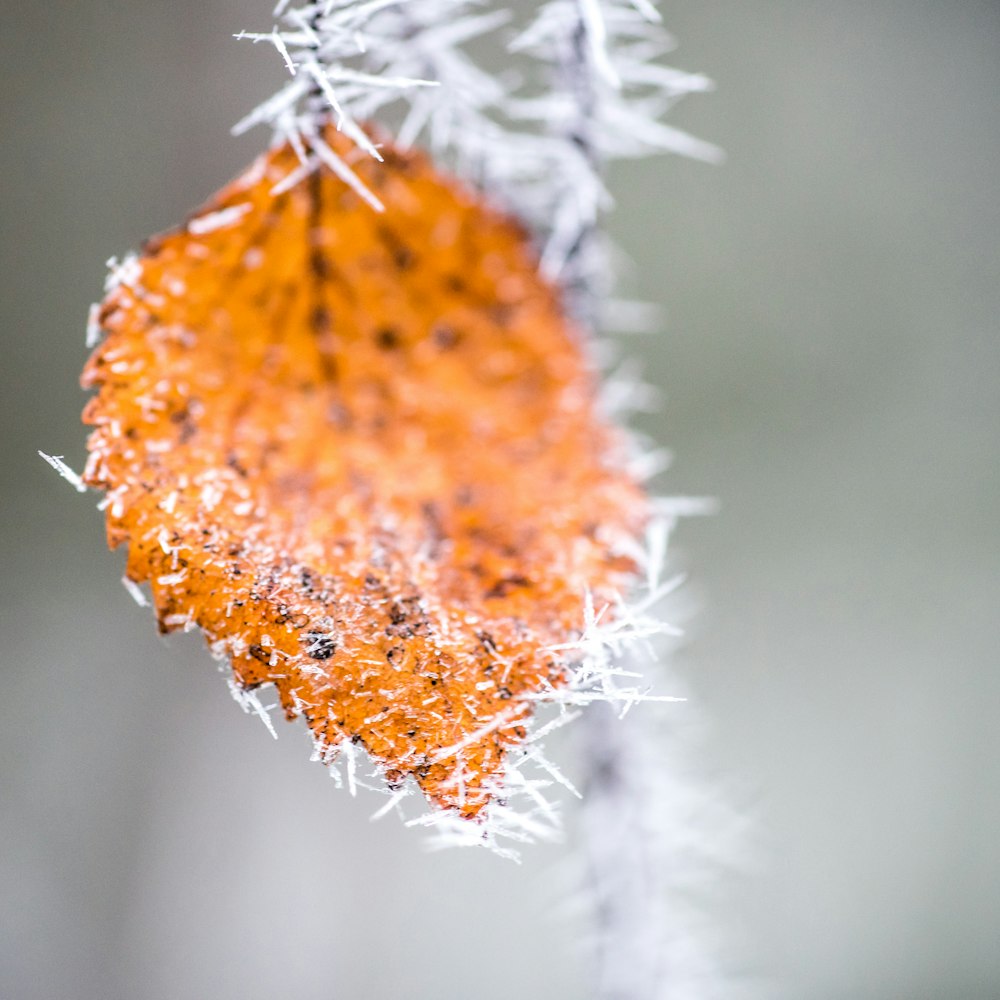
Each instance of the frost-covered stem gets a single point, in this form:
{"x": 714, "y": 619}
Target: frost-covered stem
{"x": 616, "y": 850}
{"x": 619, "y": 854}
{"x": 619, "y": 863}
{"x": 582, "y": 246}
{"x": 656, "y": 833}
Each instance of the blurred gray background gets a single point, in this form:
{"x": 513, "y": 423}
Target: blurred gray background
{"x": 830, "y": 361}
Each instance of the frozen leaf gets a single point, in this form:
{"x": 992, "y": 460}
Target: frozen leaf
{"x": 361, "y": 451}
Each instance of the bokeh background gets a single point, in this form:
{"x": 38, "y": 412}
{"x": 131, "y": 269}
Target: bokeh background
{"x": 830, "y": 360}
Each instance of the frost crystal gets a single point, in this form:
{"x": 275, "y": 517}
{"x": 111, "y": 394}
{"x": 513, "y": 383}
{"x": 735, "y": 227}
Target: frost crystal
{"x": 71, "y": 477}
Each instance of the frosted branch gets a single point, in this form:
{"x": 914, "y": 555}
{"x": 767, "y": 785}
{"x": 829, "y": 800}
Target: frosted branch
{"x": 606, "y": 101}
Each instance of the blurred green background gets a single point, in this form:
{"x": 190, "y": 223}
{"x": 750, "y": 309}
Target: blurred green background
{"x": 829, "y": 359}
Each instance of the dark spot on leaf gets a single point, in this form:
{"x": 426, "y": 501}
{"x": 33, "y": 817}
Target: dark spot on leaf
{"x": 387, "y": 338}
{"x": 319, "y": 646}
{"x": 445, "y": 337}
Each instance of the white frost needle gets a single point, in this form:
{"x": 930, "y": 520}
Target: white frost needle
{"x": 503, "y": 719}
{"x": 391, "y": 803}
{"x": 217, "y": 220}
{"x": 251, "y": 704}
{"x": 71, "y": 477}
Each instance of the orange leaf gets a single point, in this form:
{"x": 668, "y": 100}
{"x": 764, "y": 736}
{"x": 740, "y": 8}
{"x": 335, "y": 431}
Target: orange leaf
{"x": 360, "y": 451}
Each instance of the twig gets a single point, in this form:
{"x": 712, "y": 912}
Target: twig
{"x": 636, "y": 934}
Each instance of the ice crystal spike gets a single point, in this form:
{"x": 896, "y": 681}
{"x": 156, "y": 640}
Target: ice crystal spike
{"x": 355, "y": 58}
{"x": 364, "y": 454}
